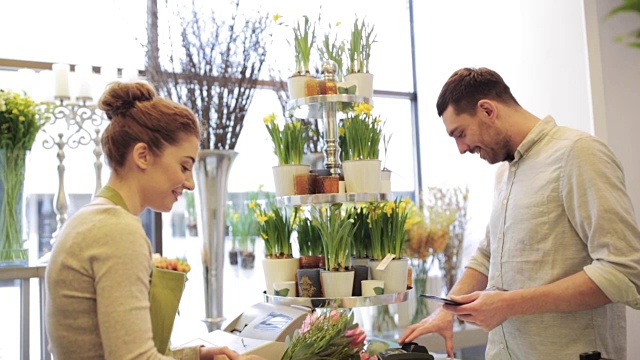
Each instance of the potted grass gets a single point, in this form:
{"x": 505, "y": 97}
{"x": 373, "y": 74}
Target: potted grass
{"x": 276, "y": 226}
{"x": 311, "y": 258}
{"x": 336, "y": 226}
{"x": 359, "y": 52}
{"x": 360, "y": 150}
{"x": 304, "y": 36}
{"x": 288, "y": 145}
{"x": 387, "y": 220}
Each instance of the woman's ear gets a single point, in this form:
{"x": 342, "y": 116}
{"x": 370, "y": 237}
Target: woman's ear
{"x": 141, "y": 156}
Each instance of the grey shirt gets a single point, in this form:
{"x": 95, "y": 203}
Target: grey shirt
{"x": 98, "y": 281}
{"x": 561, "y": 207}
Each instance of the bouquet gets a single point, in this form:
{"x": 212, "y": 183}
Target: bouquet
{"x": 333, "y": 335}
{"x": 167, "y": 284}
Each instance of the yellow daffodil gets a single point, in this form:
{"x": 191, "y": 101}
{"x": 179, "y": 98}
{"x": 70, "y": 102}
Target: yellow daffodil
{"x": 253, "y": 204}
{"x": 271, "y": 118}
{"x": 277, "y": 17}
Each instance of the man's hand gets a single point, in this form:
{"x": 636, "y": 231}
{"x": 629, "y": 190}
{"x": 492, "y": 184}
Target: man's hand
{"x": 440, "y": 322}
{"x": 485, "y": 309}
{"x": 218, "y": 353}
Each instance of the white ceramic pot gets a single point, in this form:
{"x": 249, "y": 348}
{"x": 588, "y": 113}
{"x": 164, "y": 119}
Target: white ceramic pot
{"x": 337, "y": 283}
{"x": 284, "y": 176}
{"x": 385, "y": 181}
{"x": 361, "y": 176}
{"x": 279, "y": 270}
{"x": 394, "y": 275}
{"x": 364, "y": 83}
{"x": 296, "y": 85}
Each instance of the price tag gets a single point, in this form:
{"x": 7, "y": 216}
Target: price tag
{"x": 387, "y": 259}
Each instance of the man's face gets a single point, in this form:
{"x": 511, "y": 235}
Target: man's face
{"x": 478, "y": 135}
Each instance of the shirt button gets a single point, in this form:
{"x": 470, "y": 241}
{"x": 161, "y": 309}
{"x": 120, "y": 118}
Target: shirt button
{"x": 498, "y": 273}
{"x": 513, "y": 168}
{"x": 501, "y": 346}
{"x": 504, "y": 202}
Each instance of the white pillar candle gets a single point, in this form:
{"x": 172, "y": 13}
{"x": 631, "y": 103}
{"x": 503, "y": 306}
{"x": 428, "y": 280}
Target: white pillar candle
{"x": 83, "y": 75}
{"x": 61, "y": 80}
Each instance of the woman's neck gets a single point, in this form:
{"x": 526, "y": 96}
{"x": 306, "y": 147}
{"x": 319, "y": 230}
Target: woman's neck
{"x": 129, "y": 192}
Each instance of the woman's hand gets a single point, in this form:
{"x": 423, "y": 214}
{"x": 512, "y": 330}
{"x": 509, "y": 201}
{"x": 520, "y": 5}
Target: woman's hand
{"x": 218, "y": 353}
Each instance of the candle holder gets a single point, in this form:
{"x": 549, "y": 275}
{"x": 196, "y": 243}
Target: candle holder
{"x": 72, "y": 125}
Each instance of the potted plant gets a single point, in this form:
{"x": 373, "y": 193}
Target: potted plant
{"x": 387, "y": 220}
{"x": 244, "y": 229}
{"x": 361, "y": 133}
{"x": 20, "y": 120}
{"x": 304, "y": 36}
{"x": 336, "y": 227}
{"x": 362, "y": 38}
{"x": 288, "y": 145}
{"x": 335, "y": 50}
{"x": 276, "y": 227}
{"x": 310, "y": 244}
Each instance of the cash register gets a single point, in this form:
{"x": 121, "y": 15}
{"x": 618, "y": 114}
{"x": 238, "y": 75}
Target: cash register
{"x": 261, "y": 330}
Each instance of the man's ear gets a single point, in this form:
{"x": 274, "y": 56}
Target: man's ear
{"x": 141, "y": 156}
{"x": 487, "y": 109}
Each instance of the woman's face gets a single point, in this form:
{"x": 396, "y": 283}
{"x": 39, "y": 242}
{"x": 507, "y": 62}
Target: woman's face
{"x": 171, "y": 173}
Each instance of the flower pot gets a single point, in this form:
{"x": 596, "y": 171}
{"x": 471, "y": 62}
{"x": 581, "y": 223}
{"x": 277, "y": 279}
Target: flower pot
{"x": 247, "y": 260}
{"x": 233, "y": 257}
{"x": 311, "y": 261}
{"x": 361, "y": 272}
{"x": 279, "y": 270}
{"x": 364, "y": 83}
{"x": 385, "y": 181}
{"x": 394, "y": 274}
{"x": 362, "y": 176}
{"x": 309, "y": 284}
{"x": 337, "y": 284}
{"x": 327, "y": 184}
{"x": 284, "y": 175}
{"x": 296, "y": 85}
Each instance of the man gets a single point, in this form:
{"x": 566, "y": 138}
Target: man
{"x": 561, "y": 258}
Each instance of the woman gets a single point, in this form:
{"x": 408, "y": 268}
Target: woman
{"x": 99, "y": 273}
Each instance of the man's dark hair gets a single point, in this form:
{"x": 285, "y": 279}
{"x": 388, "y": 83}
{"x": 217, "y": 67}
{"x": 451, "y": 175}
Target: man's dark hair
{"x": 467, "y": 86}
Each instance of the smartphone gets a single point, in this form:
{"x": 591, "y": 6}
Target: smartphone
{"x": 441, "y": 299}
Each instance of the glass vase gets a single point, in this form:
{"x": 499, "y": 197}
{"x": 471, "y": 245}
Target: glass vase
{"x": 422, "y": 304}
{"x": 12, "y": 167}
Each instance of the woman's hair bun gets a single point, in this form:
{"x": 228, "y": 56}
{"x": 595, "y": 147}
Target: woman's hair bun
{"x": 120, "y": 97}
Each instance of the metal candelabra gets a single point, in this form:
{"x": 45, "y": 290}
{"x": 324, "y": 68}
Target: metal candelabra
{"x": 72, "y": 125}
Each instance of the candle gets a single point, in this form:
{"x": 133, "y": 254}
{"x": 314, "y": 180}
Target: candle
{"x": 83, "y": 75}
{"x": 61, "y": 80}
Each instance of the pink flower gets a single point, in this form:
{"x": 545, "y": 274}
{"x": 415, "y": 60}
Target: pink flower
{"x": 308, "y": 322}
{"x": 358, "y": 337}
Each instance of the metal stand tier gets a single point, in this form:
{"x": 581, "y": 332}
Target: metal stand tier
{"x": 344, "y": 302}
{"x": 297, "y": 200}
{"x": 329, "y": 106}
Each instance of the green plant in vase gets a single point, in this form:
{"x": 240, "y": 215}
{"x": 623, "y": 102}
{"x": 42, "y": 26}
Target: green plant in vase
{"x": 362, "y": 38}
{"x": 361, "y": 244}
{"x": 387, "y": 220}
{"x": 336, "y": 227}
{"x": 276, "y": 227}
{"x": 360, "y": 134}
{"x": 288, "y": 142}
{"x": 309, "y": 237}
{"x": 20, "y": 120}
{"x": 334, "y": 50}
{"x": 304, "y": 36}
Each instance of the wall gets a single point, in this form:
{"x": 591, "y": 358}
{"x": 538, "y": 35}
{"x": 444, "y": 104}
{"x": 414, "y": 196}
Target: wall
{"x": 615, "y": 87}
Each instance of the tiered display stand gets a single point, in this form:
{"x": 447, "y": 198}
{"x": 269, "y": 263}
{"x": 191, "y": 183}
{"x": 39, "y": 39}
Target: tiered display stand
{"x": 329, "y": 106}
